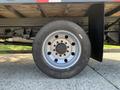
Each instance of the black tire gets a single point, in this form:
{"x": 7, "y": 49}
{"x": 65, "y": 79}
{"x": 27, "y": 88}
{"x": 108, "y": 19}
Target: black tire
{"x": 61, "y": 25}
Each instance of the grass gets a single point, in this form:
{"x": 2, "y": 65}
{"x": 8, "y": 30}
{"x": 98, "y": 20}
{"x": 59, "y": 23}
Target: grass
{"x": 19, "y": 48}
{"x": 111, "y": 47}
{"x": 14, "y": 47}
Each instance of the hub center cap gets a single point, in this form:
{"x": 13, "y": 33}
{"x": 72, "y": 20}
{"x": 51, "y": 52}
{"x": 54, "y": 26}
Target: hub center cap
{"x": 61, "y": 48}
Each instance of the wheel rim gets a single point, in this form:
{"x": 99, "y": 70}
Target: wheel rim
{"x": 61, "y": 49}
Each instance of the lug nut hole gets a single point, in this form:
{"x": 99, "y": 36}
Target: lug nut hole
{"x": 66, "y": 36}
{"x": 49, "y": 43}
{"x": 56, "y": 60}
{"x": 66, "y": 60}
{"x": 73, "y": 53}
{"x": 73, "y": 44}
{"x": 56, "y": 36}
{"x": 49, "y": 53}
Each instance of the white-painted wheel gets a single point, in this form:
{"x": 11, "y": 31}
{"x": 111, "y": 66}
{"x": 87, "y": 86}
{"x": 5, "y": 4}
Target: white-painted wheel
{"x": 61, "y": 49}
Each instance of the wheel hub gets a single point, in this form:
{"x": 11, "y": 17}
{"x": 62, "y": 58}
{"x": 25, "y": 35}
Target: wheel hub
{"x": 61, "y": 48}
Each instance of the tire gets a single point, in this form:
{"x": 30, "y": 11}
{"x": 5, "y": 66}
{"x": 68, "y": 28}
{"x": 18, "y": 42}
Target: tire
{"x": 82, "y": 48}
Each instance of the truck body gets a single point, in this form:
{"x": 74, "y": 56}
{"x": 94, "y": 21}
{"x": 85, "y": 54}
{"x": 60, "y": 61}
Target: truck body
{"x": 100, "y": 20}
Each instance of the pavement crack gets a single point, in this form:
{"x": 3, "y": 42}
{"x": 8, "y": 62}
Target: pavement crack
{"x": 104, "y": 77}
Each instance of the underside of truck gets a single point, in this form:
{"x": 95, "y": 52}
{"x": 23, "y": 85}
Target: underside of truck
{"x": 64, "y": 35}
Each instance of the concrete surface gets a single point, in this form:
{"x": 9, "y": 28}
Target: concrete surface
{"x": 18, "y": 72}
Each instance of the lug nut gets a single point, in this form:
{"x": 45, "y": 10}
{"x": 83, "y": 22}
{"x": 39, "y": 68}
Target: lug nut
{"x": 67, "y": 51}
{"x": 61, "y": 41}
{"x": 65, "y": 42}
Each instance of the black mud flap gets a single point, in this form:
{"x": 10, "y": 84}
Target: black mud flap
{"x": 119, "y": 33}
{"x": 96, "y": 30}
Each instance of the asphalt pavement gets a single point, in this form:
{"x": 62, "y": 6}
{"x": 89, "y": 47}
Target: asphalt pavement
{"x": 18, "y": 72}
